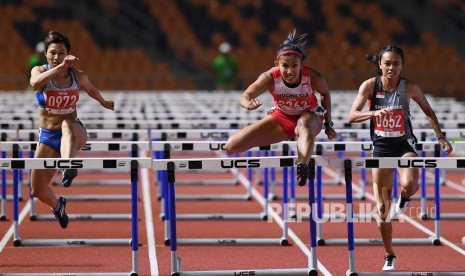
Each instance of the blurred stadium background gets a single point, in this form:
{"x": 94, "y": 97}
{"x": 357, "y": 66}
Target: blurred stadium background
{"x": 170, "y": 44}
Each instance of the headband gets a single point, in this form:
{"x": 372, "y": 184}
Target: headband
{"x": 288, "y": 52}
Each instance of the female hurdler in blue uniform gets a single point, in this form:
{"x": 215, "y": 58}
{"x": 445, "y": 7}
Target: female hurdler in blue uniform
{"x": 61, "y": 134}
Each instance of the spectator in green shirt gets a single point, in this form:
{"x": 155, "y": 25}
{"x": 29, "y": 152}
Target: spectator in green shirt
{"x": 225, "y": 67}
{"x": 38, "y": 58}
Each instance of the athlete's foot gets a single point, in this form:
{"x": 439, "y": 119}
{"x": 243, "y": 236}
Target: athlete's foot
{"x": 302, "y": 173}
{"x": 60, "y": 212}
{"x": 68, "y": 176}
{"x": 390, "y": 263}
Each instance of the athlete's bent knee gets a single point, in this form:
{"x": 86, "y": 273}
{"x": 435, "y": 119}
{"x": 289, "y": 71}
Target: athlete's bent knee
{"x": 230, "y": 146}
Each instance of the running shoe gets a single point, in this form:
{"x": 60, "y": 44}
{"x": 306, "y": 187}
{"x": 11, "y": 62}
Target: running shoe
{"x": 67, "y": 176}
{"x": 402, "y": 204}
{"x": 302, "y": 174}
{"x": 60, "y": 212}
{"x": 390, "y": 263}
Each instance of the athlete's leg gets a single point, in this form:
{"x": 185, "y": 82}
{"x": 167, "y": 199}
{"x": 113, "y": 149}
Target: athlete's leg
{"x": 74, "y": 137}
{"x": 382, "y": 189}
{"x": 308, "y": 126}
{"x": 408, "y": 179}
{"x": 262, "y": 133}
{"x": 41, "y": 178}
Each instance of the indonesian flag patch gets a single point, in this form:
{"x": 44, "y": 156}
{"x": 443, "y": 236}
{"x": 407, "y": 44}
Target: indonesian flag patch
{"x": 380, "y": 95}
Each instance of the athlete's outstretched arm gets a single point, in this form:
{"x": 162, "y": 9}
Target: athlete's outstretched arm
{"x": 93, "y": 92}
{"x": 263, "y": 83}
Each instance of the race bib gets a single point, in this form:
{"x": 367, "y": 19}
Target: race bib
{"x": 391, "y": 125}
{"x": 65, "y": 100}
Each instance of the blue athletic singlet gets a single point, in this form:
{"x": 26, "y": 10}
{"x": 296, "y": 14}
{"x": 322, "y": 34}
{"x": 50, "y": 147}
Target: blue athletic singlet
{"x": 59, "y": 100}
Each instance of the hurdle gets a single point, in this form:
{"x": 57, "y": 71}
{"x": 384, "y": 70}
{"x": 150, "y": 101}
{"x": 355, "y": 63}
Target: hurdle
{"x": 96, "y": 135}
{"x": 390, "y": 162}
{"x": 424, "y": 147}
{"x": 132, "y": 164}
{"x": 190, "y": 146}
{"x": 260, "y": 216}
{"x": 192, "y": 134}
{"x": 237, "y": 163}
{"x": 5, "y": 135}
{"x": 133, "y": 147}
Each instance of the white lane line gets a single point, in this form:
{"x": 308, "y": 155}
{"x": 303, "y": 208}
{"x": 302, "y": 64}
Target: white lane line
{"x": 406, "y": 218}
{"x": 149, "y": 222}
{"x": 10, "y": 231}
{"x": 243, "y": 179}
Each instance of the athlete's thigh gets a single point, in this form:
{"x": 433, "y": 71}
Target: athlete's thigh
{"x": 382, "y": 182}
{"x": 264, "y": 132}
{"x": 42, "y": 177}
{"x": 81, "y": 134}
{"x": 308, "y": 120}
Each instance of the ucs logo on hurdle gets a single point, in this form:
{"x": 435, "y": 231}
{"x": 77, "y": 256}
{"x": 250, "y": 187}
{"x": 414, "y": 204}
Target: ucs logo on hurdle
{"x": 214, "y": 135}
{"x": 245, "y": 273}
{"x": 250, "y": 163}
{"x": 427, "y": 163}
{"x": 407, "y": 163}
{"x": 63, "y": 164}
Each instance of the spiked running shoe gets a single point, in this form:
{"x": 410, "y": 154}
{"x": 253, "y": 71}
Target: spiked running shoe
{"x": 402, "y": 204}
{"x": 390, "y": 263}
{"x": 302, "y": 174}
{"x": 68, "y": 176}
{"x": 60, "y": 212}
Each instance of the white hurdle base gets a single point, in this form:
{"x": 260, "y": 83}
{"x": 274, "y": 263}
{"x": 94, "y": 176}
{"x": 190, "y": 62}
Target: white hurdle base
{"x": 200, "y": 182}
{"x": 233, "y": 241}
{"x": 261, "y": 216}
{"x": 448, "y": 216}
{"x": 96, "y": 197}
{"x": 215, "y": 197}
{"x": 376, "y": 241}
{"x": 109, "y": 182}
{"x": 279, "y": 272}
{"x": 72, "y": 242}
{"x": 404, "y": 273}
{"x": 85, "y": 217}
{"x": 71, "y": 274}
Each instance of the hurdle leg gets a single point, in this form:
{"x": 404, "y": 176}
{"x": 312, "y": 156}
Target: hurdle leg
{"x": 134, "y": 216}
{"x": 249, "y": 187}
{"x": 437, "y": 205}
{"x": 284, "y": 240}
{"x": 16, "y": 239}
{"x": 424, "y": 214}
{"x": 319, "y": 204}
{"x": 349, "y": 217}
{"x": 363, "y": 175}
{"x": 273, "y": 195}
{"x": 313, "y": 263}
{"x": 175, "y": 262}
{"x": 3, "y": 211}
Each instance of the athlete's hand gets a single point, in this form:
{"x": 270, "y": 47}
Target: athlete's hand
{"x": 253, "y": 104}
{"x": 69, "y": 61}
{"x": 445, "y": 145}
{"x": 330, "y": 132}
{"x": 384, "y": 111}
{"x": 109, "y": 105}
